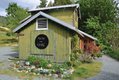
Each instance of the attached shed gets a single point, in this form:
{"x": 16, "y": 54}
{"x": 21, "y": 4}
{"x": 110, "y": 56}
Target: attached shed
{"x": 47, "y": 32}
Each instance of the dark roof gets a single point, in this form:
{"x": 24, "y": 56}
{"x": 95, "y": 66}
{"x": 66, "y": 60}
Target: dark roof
{"x": 55, "y": 20}
{"x": 55, "y": 7}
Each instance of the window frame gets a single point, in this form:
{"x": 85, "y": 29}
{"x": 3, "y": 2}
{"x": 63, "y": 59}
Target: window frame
{"x": 37, "y": 28}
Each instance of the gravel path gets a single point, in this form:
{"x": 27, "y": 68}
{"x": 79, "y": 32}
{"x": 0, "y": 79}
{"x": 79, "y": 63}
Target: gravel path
{"x": 5, "y": 54}
{"x": 110, "y": 69}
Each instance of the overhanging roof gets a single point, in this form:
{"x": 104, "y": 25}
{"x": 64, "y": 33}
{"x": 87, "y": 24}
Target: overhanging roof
{"x": 55, "y": 7}
{"x": 55, "y": 20}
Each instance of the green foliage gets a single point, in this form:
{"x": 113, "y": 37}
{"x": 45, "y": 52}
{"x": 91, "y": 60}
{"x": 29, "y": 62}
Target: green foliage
{"x": 98, "y": 55}
{"x": 98, "y": 19}
{"x": 114, "y": 53}
{"x": 75, "y": 42}
{"x": 75, "y": 57}
{"x": 43, "y": 3}
{"x": 62, "y": 2}
{"x": 37, "y": 61}
{"x": 15, "y": 14}
{"x": 3, "y": 21}
{"x": 93, "y": 26}
{"x": 104, "y": 9}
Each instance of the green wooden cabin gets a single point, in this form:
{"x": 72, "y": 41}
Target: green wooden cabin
{"x": 47, "y": 32}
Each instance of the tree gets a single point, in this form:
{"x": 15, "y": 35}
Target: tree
{"x": 61, "y": 2}
{"x": 96, "y": 13}
{"x": 43, "y": 3}
{"x": 99, "y": 18}
{"x": 103, "y": 9}
{"x": 15, "y": 14}
{"x": 3, "y": 21}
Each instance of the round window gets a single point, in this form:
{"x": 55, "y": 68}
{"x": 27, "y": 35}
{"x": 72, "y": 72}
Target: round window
{"x": 41, "y": 41}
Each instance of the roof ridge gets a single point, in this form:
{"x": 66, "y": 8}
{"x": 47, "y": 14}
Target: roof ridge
{"x": 54, "y": 7}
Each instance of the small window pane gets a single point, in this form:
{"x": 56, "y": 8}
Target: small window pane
{"x": 42, "y": 23}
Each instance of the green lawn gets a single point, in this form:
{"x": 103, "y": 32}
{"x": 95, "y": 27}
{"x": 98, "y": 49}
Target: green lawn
{"x": 6, "y": 40}
{"x": 87, "y": 70}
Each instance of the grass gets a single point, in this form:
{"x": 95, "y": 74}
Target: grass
{"x": 83, "y": 71}
{"x": 6, "y": 40}
{"x": 87, "y": 70}
{"x": 23, "y": 76}
{"x": 1, "y": 64}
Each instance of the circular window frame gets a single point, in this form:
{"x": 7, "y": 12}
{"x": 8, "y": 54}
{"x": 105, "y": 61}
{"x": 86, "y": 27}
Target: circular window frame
{"x": 41, "y": 41}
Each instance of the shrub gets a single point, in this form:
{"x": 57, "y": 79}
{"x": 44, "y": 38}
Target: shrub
{"x": 32, "y": 59}
{"x": 43, "y": 63}
{"x": 37, "y": 61}
{"x": 114, "y": 54}
{"x": 99, "y": 55}
{"x": 75, "y": 57}
{"x": 87, "y": 58}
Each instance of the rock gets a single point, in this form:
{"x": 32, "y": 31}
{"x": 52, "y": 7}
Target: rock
{"x": 50, "y": 75}
{"x": 49, "y": 65}
{"x": 21, "y": 63}
{"x": 21, "y": 68}
{"x": 33, "y": 67}
{"x": 17, "y": 62}
{"x": 55, "y": 75}
{"x": 27, "y": 63}
{"x": 44, "y": 71}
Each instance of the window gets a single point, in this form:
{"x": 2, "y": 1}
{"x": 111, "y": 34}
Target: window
{"x": 41, "y": 41}
{"x": 41, "y": 24}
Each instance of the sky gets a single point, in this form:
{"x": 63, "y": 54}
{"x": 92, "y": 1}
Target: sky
{"x": 31, "y": 4}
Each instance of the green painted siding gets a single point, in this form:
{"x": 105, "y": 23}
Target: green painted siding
{"x": 59, "y": 41}
{"x": 63, "y": 14}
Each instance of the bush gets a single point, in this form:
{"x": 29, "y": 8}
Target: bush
{"x": 43, "y": 63}
{"x": 38, "y": 62}
{"x": 87, "y": 58}
{"x": 114, "y": 54}
{"x": 75, "y": 57}
{"x": 99, "y": 55}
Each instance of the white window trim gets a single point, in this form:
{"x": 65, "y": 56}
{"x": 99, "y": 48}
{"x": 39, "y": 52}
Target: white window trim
{"x": 41, "y": 28}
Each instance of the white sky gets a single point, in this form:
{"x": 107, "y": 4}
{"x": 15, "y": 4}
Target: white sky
{"x": 23, "y": 3}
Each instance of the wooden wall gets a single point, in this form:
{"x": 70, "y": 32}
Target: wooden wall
{"x": 59, "y": 41}
{"x": 88, "y": 45}
{"x": 59, "y": 37}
